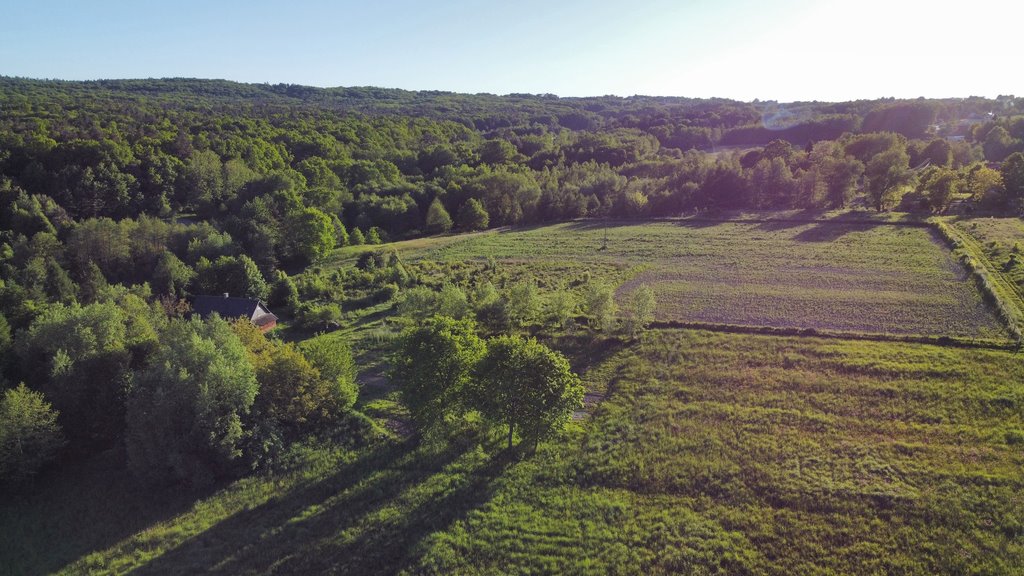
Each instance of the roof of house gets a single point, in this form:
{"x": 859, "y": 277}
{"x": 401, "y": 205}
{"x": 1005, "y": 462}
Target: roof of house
{"x": 228, "y": 307}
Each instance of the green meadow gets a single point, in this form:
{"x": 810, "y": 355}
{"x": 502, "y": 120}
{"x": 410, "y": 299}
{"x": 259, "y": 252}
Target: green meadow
{"x": 703, "y": 453}
{"x": 698, "y": 452}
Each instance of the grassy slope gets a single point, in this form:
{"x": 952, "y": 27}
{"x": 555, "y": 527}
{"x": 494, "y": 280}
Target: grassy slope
{"x": 996, "y": 239}
{"x": 856, "y": 277}
{"x": 712, "y": 453}
{"x": 995, "y": 265}
{"x": 718, "y": 453}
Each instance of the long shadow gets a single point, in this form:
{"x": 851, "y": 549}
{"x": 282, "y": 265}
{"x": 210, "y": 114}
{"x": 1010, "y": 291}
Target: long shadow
{"x": 584, "y": 352}
{"x": 585, "y": 225}
{"x": 304, "y": 530}
{"x": 78, "y": 509}
{"x": 837, "y": 227}
{"x": 778, "y": 225}
{"x": 698, "y": 223}
{"x": 391, "y": 546}
{"x": 832, "y": 231}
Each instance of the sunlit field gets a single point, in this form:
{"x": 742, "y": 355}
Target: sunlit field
{"x": 854, "y": 277}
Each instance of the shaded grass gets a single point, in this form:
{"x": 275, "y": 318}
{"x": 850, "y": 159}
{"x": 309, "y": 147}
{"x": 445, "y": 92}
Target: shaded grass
{"x": 358, "y": 512}
{"x": 82, "y": 507}
{"x": 709, "y": 453}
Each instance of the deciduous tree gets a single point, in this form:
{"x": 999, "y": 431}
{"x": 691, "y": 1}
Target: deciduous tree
{"x": 1012, "y": 172}
{"x": 599, "y": 305}
{"x": 438, "y": 221}
{"x": 640, "y": 312}
{"x": 186, "y": 409}
{"x": 432, "y": 365}
{"x": 29, "y": 434}
{"x": 472, "y": 216}
{"x": 526, "y": 386}
{"x": 888, "y": 174}
{"x": 310, "y": 234}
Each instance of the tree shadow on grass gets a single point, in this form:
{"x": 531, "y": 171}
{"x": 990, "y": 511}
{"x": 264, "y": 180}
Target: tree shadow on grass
{"x": 779, "y": 225}
{"x": 832, "y": 231}
{"x": 585, "y": 351}
{"x": 598, "y": 225}
{"x": 80, "y": 508}
{"x": 368, "y": 518}
{"x": 699, "y": 222}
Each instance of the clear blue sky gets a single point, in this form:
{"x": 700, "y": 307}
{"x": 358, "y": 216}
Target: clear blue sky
{"x": 773, "y": 50}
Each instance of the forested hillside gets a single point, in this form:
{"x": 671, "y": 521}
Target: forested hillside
{"x": 120, "y": 199}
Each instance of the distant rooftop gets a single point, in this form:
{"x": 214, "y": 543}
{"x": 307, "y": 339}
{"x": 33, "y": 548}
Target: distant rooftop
{"x": 232, "y": 307}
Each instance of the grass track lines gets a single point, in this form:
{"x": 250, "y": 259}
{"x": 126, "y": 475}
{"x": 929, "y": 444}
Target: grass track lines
{"x": 1003, "y": 292}
{"x": 738, "y": 454}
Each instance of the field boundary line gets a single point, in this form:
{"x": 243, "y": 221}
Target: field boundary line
{"x": 741, "y": 220}
{"x": 946, "y": 341}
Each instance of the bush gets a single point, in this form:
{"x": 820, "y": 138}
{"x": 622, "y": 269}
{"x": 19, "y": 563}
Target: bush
{"x": 29, "y": 434}
{"x": 318, "y": 316}
{"x": 419, "y": 303}
{"x": 332, "y": 356}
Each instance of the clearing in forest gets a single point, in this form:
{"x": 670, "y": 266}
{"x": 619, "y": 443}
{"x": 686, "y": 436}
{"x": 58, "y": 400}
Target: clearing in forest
{"x": 712, "y": 453}
{"x": 874, "y": 277}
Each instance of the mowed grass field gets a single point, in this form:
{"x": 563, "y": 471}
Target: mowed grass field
{"x": 837, "y": 276}
{"x": 710, "y": 453}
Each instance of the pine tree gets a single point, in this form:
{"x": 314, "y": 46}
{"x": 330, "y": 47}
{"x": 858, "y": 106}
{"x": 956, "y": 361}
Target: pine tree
{"x": 438, "y": 220}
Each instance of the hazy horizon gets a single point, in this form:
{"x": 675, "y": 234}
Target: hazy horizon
{"x": 504, "y": 94}
{"x": 785, "y": 51}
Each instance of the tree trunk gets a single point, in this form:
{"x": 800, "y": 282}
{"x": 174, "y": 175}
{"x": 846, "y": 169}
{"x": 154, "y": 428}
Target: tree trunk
{"x": 511, "y": 427}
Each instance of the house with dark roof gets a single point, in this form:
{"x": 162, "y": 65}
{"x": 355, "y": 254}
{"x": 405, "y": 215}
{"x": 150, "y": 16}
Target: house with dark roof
{"x": 230, "y": 308}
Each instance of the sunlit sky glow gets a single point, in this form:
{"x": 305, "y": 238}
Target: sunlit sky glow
{"x": 772, "y": 50}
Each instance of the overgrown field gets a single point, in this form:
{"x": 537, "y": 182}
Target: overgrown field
{"x": 840, "y": 276}
{"x": 710, "y": 453}
{"x": 727, "y": 454}
{"x": 1002, "y": 240}
{"x": 700, "y": 452}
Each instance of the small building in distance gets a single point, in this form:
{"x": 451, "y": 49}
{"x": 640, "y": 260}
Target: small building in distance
{"x": 230, "y": 308}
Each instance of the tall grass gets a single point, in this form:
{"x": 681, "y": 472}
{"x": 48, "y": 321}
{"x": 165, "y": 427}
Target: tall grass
{"x": 991, "y": 283}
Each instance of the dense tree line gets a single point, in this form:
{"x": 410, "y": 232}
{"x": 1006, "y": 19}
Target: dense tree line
{"x": 290, "y": 172}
